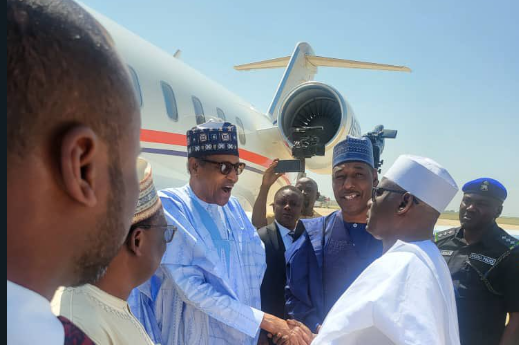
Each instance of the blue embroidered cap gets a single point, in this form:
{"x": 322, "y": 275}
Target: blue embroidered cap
{"x": 353, "y": 149}
{"x": 212, "y": 138}
{"x": 486, "y": 186}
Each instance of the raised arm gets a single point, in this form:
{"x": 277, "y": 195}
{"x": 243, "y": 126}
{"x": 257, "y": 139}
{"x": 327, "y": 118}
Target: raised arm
{"x": 259, "y": 211}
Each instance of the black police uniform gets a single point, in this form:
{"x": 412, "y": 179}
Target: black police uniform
{"x": 486, "y": 281}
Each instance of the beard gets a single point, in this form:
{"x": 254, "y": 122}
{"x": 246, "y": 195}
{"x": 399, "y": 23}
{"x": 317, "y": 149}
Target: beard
{"x": 107, "y": 236}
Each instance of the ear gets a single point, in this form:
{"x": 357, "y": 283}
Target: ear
{"x": 79, "y": 164}
{"x": 193, "y": 165}
{"x": 136, "y": 241}
{"x": 317, "y": 195}
{"x": 405, "y": 204}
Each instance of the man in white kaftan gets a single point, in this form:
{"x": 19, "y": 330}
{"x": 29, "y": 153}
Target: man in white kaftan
{"x": 207, "y": 290}
{"x": 406, "y": 296}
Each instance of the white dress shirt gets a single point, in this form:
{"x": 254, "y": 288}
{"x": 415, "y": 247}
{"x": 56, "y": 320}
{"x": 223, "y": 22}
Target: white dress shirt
{"x": 285, "y": 235}
{"x": 30, "y": 319}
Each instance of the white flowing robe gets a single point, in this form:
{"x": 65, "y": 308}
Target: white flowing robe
{"x": 404, "y": 297}
{"x": 207, "y": 290}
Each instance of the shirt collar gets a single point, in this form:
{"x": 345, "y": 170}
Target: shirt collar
{"x": 284, "y": 231}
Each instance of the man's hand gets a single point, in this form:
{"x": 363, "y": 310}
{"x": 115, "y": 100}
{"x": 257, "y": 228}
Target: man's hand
{"x": 269, "y": 176}
{"x": 299, "y": 334}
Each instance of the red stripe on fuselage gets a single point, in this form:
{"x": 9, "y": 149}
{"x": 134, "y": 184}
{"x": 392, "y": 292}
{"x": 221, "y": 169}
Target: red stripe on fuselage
{"x": 159, "y": 137}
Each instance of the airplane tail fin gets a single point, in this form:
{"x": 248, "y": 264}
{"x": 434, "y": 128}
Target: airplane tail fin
{"x": 302, "y": 66}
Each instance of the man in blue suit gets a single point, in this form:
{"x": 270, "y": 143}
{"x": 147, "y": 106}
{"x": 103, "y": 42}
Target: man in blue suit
{"x": 316, "y": 278}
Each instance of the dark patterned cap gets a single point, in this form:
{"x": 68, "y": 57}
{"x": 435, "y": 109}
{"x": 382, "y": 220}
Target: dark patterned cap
{"x": 486, "y": 186}
{"x": 212, "y": 138}
{"x": 353, "y": 149}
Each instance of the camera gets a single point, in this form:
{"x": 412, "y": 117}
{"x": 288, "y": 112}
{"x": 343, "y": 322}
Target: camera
{"x": 306, "y": 142}
{"x": 377, "y": 137}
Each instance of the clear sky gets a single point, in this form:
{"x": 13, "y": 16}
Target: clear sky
{"x": 459, "y": 106}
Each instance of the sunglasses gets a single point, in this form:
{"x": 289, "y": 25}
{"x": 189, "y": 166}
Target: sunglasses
{"x": 169, "y": 231}
{"x": 226, "y": 167}
{"x": 378, "y": 191}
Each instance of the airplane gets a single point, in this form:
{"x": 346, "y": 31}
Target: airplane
{"x": 174, "y": 97}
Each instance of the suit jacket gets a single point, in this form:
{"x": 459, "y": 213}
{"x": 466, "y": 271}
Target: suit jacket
{"x": 274, "y": 281}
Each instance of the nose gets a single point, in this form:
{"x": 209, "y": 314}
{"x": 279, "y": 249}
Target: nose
{"x": 348, "y": 183}
{"x": 233, "y": 176}
{"x": 287, "y": 206}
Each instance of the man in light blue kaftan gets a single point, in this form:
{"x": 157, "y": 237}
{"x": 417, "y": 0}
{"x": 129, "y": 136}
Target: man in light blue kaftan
{"x": 207, "y": 290}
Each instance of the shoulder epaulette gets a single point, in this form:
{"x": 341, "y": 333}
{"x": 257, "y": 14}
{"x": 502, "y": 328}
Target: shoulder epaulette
{"x": 441, "y": 235}
{"x": 508, "y": 240}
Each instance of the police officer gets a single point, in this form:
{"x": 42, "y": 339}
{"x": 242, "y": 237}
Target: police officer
{"x": 484, "y": 263}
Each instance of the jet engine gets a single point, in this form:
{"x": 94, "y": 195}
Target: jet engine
{"x": 314, "y": 104}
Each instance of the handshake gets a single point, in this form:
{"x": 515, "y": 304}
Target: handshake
{"x": 284, "y": 332}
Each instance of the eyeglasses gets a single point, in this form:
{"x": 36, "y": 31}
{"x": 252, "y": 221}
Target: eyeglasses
{"x": 169, "y": 231}
{"x": 378, "y": 191}
{"x": 226, "y": 167}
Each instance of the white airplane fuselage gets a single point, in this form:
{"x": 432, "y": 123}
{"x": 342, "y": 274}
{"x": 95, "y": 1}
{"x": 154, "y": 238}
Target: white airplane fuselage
{"x": 172, "y": 95}
{"x": 163, "y": 139}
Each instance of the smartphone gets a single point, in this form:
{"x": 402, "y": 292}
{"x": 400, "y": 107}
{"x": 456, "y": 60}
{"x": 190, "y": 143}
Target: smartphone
{"x": 289, "y": 165}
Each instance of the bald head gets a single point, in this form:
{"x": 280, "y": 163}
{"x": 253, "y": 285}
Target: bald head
{"x": 310, "y": 191}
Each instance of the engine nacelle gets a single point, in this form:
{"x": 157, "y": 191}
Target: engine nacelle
{"x": 317, "y": 104}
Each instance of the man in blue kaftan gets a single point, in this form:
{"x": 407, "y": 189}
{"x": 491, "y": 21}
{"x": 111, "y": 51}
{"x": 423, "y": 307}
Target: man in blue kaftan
{"x": 316, "y": 278}
{"x": 207, "y": 290}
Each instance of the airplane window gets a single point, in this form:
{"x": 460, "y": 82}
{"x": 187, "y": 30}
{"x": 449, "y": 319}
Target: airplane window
{"x": 169, "y": 99}
{"x": 241, "y": 131}
{"x": 199, "y": 110}
{"x": 220, "y": 113}
{"x": 136, "y": 85}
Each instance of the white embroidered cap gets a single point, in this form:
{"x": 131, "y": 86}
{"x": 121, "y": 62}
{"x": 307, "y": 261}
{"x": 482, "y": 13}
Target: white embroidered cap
{"x": 425, "y": 179}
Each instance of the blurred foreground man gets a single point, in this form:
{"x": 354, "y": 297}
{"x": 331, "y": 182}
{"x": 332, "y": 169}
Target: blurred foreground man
{"x": 405, "y": 296}
{"x": 72, "y": 144}
{"x": 484, "y": 263}
{"x": 207, "y": 290}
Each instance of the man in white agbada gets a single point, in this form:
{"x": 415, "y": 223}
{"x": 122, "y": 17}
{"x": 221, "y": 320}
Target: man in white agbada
{"x": 406, "y": 296}
{"x": 207, "y": 290}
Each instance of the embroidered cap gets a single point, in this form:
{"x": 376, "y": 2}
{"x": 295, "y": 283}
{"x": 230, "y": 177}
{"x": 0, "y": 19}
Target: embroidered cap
{"x": 486, "y": 186}
{"x": 353, "y": 149}
{"x": 149, "y": 202}
{"x": 212, "y": 138}
{"x": 425, "y": 179}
